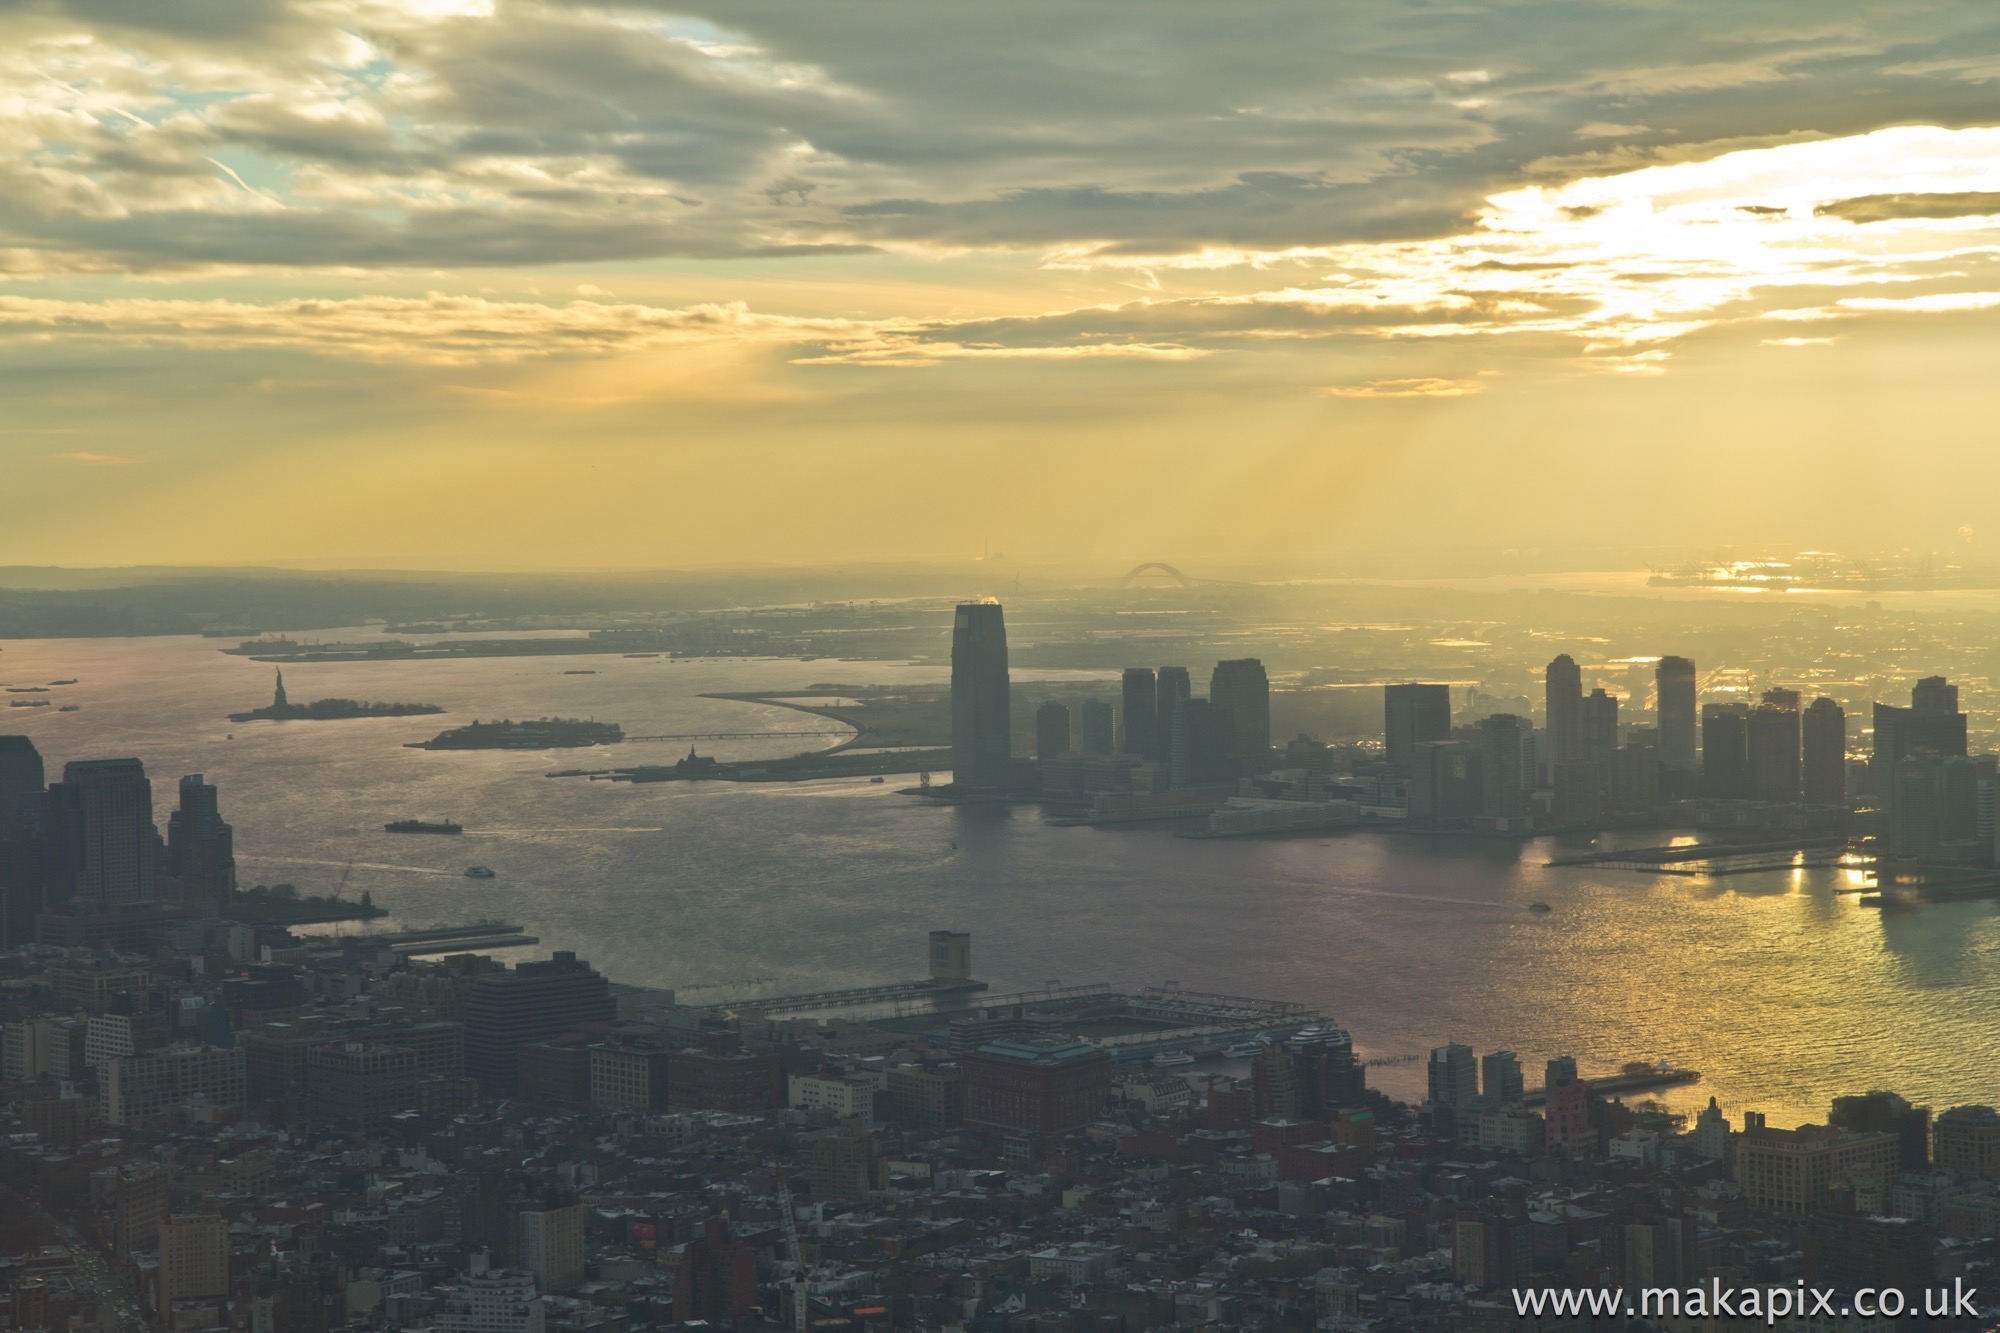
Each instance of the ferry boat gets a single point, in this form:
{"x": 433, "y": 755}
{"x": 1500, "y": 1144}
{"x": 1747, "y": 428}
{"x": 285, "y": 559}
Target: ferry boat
{"x": 422, "y": 826}
{"x": 1243, "y": 1050}
{"x": 478, "y": 872}
{"x": 1538, "y": 907}
{"x": 1172, "y": 1059}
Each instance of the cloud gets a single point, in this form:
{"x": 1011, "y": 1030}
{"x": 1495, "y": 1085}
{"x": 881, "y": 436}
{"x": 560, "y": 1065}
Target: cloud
{"x": 1409, "y": 388}
{"x": 95, "y": 460}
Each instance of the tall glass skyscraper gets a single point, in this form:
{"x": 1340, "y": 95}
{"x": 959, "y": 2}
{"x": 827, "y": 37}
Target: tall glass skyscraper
{"x": 981, "y": 722}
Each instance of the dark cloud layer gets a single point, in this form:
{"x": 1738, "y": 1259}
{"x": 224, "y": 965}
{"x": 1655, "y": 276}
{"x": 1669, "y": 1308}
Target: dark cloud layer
{"x": 188, "y": 133}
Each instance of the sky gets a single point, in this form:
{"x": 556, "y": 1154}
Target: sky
{"x": 487, "y": 284}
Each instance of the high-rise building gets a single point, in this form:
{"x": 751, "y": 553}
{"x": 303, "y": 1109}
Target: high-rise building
{"x": 1447, "y": 784}
{"x": 194, "y": 1257}
{"x": 1931, "y": 724}
{"x": 1772, "y": 747}
{"x": 1412, "y": 714}
{"x": 1501, "y": 737}
{"x": 1051, "y": 729}
{"x": 201, "y": 848}
{"x": 1725, "y": 750}
{"x": 532, "y": 1002}
{"x": 1171, "y": 690}
{"x": 551, "y": 1245}
{"x": 981, "y": 728}
{"x": 1139, "y": 713}
{"x": 1196, "y": 746}
{"x": 1598, "y": 717}
{"x": 1239, "y": 693}
{"x": 120, "y": 852}
{"x": 1674, "y": 696}
{"x": 1967, "y": 1139}
{"x": 1500, "y": 1079}
{"x": 1095, "y": 727}
{"x": 1823, "y": 767}
{"x": 1453, "y": 1075}
{"x": 1562, "y": 692}
{"x": 21, "y": 787}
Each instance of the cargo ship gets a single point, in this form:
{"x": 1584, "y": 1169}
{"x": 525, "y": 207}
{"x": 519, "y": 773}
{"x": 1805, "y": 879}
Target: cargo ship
{"x": 422, "y": 826}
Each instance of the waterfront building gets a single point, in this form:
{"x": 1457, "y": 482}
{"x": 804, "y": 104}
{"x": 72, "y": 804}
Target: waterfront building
{"x": 1502, "y": 742}
{"x": 1598, "y": 723}
{"x": 1967, "y": 1139}
{"x": 1172, "y": 689}
{"x": 1042, "y": 1087}
{"x": 531, "y": 1002}
{"x": 1051, "y": 730}
{"x": 1452, "y": 1075}
{"x": 1725, "y": 750}
{"x": 981, "y": 726}
{"x": 1500, "y": 1079}
{"x": 1447, "y": 784}
{"x": 1771, "y": 746}
{"x": 117, "y": 849}
{"x": 1823, "y": 763}
{"x": 1239, "y": 693}
{"x": 1412, "y": 714}
{"x": 1139, "y": 713}
{"x": 1562, "y": 692}
{"x": 951, "y": 955}
{"x": 201, "y": 849}
{"x": 1096, "y": 727}
{"x": 1792, "y": 1171}
{"x": 1674, "y": 690}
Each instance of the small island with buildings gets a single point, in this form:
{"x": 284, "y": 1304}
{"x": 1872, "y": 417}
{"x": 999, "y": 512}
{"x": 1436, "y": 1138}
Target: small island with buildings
{"x": 282, "y": 709}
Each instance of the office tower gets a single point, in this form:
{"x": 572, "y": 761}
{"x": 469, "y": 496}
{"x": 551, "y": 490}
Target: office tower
{"x": 120, "y": 846}
{"x": 1823, "y": 767}
{"x": 533, "y": 1002}
{"x": 1500, "y": 1079}
{"x": 551, "y": 1245}
{"x": 1598, "y": 718}
{"x": 1171, "y": 690}
{"x": 981, "y": 727}
{"x": 1453, "y": 1075}
{"x": 1562, "y": 686}
{"x": 20, "y": 789}
{"x": 1559, "y": 1071}
{"x": 1500, "y": 765}
{"x": 1635, "y": 782}
{"x": 1239, "y": 694}
{"x": 1412, "y": 714}
{"x": 201, "y": 849}
{"x": 1195, "y": 753}
{"x": 1931, "y": 725}
{"x": 1725, "y": 750}
{"x": 1140, "y": 713}
{"x": 1051, "y": 730}
{"x": 1446, "y": 787}
{"x": 1674, "y": 702}
{"x": 1967, "y": 1139}
{"x": 1772, "y": 747}
{"x": 1094, "y": 734}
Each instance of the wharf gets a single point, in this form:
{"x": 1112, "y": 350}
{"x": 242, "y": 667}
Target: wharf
{"x": 1617, "y": 1083}
{"x": 894, "y": 992}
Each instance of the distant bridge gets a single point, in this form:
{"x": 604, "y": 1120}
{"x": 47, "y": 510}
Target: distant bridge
{"x": 1161, "y": 567}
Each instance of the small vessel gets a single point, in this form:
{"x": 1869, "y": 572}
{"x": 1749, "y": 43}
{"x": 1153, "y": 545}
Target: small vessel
{"x": 580, "y": 673}
{"x": 1538, "y": 907}
{"x": 27, "y": 703}
{"x": 1242, "y": 1050}
{"x": 478, "y": 872}
{"x": 69, "y": 708}
{"x": 1172, "y": 1059}
{"x": 422, "y": 826}
{"x": 876, "y": 779}
{"x": 70, "y": 681}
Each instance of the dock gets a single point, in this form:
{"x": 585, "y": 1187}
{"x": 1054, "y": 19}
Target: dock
{"x": 893, "y": 992}
{"x": 1617, "y": 1083}
{"x": 435, "y": 940}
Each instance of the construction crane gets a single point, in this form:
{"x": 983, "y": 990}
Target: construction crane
{"x": 791, "y": 1221}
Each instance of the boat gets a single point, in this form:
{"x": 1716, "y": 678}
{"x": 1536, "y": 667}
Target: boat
{"x": 478, "y": 872}
{"x": 1242, "y": 1050}
{"x": 27, "y": 703}
{"x": 1538, "y": 907}
{"x": 70, "y": 681}
{"x": 69, "y": 708}
{"x": 422, "y": 826}
{"x": 876, "y": 779}
{"x": 1172, "y": 1059}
